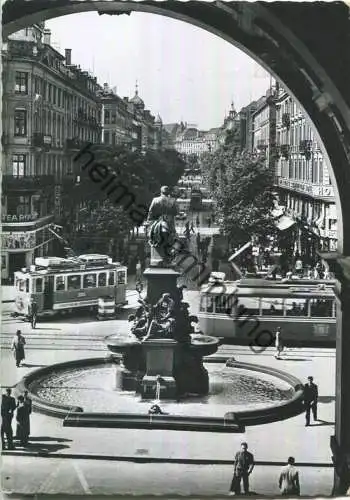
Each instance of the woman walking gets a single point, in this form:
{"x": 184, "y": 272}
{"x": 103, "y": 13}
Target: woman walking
{"x": 17, "y": 347}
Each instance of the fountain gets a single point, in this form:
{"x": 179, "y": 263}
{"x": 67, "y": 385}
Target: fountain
{"x": 162, "y": 326}
{"x": 162, "y": 364}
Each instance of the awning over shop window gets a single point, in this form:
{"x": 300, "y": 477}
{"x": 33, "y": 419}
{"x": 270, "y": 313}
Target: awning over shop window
{"x": 284, "y": 223}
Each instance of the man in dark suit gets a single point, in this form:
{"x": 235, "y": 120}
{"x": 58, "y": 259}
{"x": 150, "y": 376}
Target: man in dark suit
{"x": 243, "y": 467}
{"x": 8, "y": 406}
{"x": 310, "y": 400}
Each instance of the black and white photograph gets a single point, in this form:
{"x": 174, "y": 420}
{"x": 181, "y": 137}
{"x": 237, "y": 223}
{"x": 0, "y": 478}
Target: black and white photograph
{"x": 175, "y": 249}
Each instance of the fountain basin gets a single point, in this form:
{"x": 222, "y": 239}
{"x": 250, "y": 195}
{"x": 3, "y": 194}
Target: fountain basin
{"x": 84, "y": 388}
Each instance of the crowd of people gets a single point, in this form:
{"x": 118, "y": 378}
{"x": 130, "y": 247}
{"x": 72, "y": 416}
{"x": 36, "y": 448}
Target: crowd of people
{"x": 23, "y": 409}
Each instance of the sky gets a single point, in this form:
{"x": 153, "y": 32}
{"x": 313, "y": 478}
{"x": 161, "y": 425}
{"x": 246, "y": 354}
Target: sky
{"x": 184, "y": 73}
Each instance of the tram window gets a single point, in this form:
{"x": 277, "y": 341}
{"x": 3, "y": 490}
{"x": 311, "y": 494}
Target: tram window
{"x": 224, "y": 304}
{"x": 39, "y": 285}
{"x": 89, "y": 280}
{"x": 121, "y": 277}
{"x": 321, "y": 308}
{"x": 272, "y": 307}
{"x": 248, "y": 306}
{"x": 102, "y": 279}
{"x": 203, "y": 303}
{"x": 60, "y": 283}
{"x": 21, "y": 285}
{"x": 74, "y": 282}
{"x": 296, "y": 307}
{"x": 111, "y": 279}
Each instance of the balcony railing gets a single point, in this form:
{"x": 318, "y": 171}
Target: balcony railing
{"x": 285, "y": 150}
{"x": 75, "y": 144}
{"x": 286, "y": 120}
{"x": 40, "y": 140}
{"x": 305, "y": 148}
{"x": 29, "y": 182}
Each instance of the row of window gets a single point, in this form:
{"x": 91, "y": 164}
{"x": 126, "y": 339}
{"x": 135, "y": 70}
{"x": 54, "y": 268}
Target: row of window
{"x": 74, "y": 281}
{"x": 300, "y": 170}
{"x": 320, "y": 308}
{"x": 52, "y": 124}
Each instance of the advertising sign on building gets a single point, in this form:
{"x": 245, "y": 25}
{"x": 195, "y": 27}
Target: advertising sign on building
{"x": 18, "y": 241}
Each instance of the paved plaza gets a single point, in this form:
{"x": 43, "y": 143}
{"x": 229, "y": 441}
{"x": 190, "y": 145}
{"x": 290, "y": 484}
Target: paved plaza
{"x": 118, "y": 461}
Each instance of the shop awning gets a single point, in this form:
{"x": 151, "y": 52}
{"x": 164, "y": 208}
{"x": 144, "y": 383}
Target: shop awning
{"x": 284, "y": 223}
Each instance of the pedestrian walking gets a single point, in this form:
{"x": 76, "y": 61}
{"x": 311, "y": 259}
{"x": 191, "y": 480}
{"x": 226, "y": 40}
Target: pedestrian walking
{"x": 33, "y": 312}
{"x": 198, "y": 242}
{"x": 29, "y": 405}
{"x": 17, "y": 347}
{"x": 278, "y": 343}
{"x": 187, "y": 230}
{"x": 197, "y": 221}
{"x": 310, "y": 400}
{"x": 8, "y": 406}
{"x": 289, "y": 479}
{"x": 192, "y": 227}
{"x": 243, "y": 467}
{"x": 23, "y": 424}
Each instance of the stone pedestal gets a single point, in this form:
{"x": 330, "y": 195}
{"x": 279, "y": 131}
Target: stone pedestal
{"x": 159, "y": 355}
{"x": 160, "y": 280}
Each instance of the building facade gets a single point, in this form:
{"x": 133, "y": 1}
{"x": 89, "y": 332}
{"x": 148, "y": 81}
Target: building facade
{"x": 303, "y": 182}
{"x": 126, "y": 122}
{"x": 264, "y": 126}
{"x": 50, "y": 108}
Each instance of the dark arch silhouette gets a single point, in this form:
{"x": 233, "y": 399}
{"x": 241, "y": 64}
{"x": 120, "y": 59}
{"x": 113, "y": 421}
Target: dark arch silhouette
{"x": 306, "y": 46}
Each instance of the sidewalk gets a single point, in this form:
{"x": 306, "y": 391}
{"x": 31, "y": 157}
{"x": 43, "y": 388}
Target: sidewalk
{"x": 137, "y": 454}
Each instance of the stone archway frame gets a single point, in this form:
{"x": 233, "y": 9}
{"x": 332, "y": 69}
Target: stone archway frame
{"x": 305, "y": 45}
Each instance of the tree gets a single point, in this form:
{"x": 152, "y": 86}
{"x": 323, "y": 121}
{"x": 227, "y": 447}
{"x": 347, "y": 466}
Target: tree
{"x": 241, "y": 184}
{"x": 107, "y": 213}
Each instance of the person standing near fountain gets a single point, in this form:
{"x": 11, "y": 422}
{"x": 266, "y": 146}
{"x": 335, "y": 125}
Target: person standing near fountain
{"x": 243, "y": 467}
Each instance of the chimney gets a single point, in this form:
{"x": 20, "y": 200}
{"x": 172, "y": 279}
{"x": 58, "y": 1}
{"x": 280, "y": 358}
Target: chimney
{"x": 47, "y": 37}
{"x": 68, "y": 56}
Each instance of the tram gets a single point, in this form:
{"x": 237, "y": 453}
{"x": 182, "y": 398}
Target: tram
{"x": 63, "y": 284}
{"x": 237, "y": 311}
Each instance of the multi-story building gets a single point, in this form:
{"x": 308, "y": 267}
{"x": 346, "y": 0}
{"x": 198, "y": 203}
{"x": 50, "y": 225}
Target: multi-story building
{"x": 302, "y": 179}
{"x": 188, "y": 140}
{"x": 126, "y": 121}
{"x": 50, "y": 107}
{"x": 264, "y": 126}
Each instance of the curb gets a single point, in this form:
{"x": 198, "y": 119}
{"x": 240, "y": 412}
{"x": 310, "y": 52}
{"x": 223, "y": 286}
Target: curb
{"x": 156, "y": 460}
{"x": 76, "y": 415}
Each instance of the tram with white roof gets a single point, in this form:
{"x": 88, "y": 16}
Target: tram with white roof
{"x": 237, "y": 311}
{"x": 63, "y": 284}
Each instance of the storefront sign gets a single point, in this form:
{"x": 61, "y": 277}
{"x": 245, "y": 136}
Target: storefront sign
{"x": 20, "y": 218}
{"x": 306, "y": 187}
{"x": 18, "y": 241}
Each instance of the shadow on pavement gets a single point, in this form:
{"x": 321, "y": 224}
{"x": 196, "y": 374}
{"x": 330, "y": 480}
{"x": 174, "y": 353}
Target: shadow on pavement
{"x": 326, "y": 399}
{"x": 321, "y": 422}
{"x": 295, "y": 359}
{"x": 32, "y": 365}
{"x": 50, "y": 438}
{"x": 43, "y": 447}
